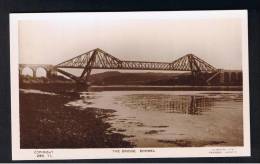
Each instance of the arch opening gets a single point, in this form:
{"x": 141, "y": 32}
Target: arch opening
{"x": 41, "y": 72}
{"x": 27, "y": 72}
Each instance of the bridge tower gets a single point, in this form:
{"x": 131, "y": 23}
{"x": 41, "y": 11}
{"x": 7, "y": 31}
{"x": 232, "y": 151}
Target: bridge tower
{"x": 195, "y": 69}
{"x": 94, "y": 59}
{"x": 84, "y": 77}
{"x": 198, "y": 68}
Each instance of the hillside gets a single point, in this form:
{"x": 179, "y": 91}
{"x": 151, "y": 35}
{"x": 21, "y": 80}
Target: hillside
{"x": 149, "y": 78}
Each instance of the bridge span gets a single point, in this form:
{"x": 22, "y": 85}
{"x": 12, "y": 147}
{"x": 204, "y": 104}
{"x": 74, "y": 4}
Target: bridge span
{"x": 99, "y": 59}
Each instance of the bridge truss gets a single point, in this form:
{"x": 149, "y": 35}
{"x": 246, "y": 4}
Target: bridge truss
{"x": 99, "y": 59}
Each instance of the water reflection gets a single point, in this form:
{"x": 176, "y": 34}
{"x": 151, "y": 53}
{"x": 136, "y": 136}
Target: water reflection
{"x": 193, "y": 105}
{"x": 170, "y": 118}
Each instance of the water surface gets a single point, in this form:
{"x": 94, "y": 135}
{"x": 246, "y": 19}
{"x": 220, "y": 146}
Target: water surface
{"x": 171, "y": 118}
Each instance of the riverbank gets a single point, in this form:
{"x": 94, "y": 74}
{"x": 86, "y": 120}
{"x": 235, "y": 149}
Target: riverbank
{"x": 59, "y": 87}
{"x": 45, "y": 122}
{"x": 164, "y": 88}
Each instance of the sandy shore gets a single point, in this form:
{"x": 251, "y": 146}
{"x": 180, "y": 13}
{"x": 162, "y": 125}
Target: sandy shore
{"x": 46, "y": 123}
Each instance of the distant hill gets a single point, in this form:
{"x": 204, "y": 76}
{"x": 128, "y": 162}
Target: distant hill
{"x": 119, "y": 78}
{"x": 149, "y": 78}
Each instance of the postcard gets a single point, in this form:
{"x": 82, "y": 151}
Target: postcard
{"x": 106, "y": 85}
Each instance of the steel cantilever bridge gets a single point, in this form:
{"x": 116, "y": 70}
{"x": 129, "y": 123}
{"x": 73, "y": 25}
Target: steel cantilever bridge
{"x": 99, "y": 59}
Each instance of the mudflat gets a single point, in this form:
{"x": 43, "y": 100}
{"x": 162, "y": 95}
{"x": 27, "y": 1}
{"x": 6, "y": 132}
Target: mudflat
{"x": 45, "y": 122}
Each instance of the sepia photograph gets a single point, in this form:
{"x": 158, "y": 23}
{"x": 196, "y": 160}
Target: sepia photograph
{"x": 129, "y": 84}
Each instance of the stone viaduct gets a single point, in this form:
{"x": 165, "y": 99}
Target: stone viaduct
{"x": 49, "y": 69}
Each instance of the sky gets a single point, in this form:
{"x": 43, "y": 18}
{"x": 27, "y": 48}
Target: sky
{"x": 215, "y": 39}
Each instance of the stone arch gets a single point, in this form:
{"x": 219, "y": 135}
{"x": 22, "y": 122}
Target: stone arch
{"x": 41, "y": 72}
{"x": 27, "y": 71}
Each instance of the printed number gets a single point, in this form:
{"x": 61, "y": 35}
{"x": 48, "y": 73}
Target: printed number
{"x": 40, "y": 156}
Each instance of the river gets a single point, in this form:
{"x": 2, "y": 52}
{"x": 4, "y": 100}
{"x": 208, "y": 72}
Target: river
{"x": 171, "y": 118}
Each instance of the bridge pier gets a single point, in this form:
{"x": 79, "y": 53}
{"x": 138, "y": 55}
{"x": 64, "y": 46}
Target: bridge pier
{"x": 199, "y": 78}
{"x": 51, "y": 73}
{"x": 34, "y": 73}
{"x": 195, "y": 77}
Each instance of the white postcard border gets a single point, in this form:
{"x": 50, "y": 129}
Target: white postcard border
{"x": 109, "y": 153}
